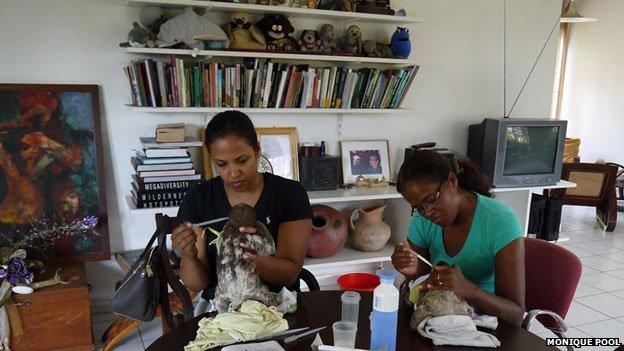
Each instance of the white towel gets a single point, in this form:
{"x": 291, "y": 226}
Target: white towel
{"x": 485, "y": 321}
{"x": 455, "y": 330}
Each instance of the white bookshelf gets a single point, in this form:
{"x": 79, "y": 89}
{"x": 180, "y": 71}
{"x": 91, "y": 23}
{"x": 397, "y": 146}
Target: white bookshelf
{"x": 316, "y": 197}
{"x": 560, "y": 185}
{"x": 272, "y": 55}
{"x": 349, "y": 256}
{"x": 277, "y": 111}
{"x": 293, "y": 12}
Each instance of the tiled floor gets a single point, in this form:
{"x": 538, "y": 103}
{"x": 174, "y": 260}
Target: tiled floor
{"x": 597, "y": 309}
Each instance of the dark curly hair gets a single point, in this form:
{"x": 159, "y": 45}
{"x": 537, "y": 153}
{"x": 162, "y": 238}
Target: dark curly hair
{"x": 228, "y": 123}
{"x": 433, "y": 166}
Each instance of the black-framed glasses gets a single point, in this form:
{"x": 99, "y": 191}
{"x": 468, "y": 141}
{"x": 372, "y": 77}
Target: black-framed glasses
{"x": 427, "y": 205}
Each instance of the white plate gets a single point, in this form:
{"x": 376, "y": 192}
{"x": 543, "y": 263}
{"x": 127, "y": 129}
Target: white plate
{"x": 22, "y": 290}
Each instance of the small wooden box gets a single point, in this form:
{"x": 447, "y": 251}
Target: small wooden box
{"x": 56, "y": 317}
{"x": 318, "y": 173}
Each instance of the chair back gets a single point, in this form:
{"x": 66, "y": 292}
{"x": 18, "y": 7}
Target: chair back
{"x": 552, "y": 275}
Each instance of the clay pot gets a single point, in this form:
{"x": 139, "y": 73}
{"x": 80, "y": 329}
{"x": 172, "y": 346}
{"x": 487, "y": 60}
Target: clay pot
{"x": 329, "y": 231}
{"x": 370, "y": 232}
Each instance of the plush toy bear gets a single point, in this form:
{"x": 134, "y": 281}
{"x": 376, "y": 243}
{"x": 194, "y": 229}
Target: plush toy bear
{"x": 277, "y": 31}
{"x": 243, "y": 34}
{"x": 372, "y": 49}
{"x": 328, "y": 39}
{"x": 310, "y": 41}
{"x": 352, "y": 41}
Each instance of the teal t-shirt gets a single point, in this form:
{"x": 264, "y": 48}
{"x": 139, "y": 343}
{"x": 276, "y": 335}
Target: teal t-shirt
{"x": 494, "y": 225}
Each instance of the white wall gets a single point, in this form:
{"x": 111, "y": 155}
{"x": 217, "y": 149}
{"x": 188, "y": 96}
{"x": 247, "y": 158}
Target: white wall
{"x": 460, "y": 48}
{"x": 594, "y": 81}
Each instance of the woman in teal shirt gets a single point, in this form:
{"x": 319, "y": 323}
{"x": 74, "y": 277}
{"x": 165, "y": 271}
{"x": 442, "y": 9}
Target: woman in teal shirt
{"x": 474, "y": 242}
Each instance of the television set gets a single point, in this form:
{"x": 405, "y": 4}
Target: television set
{"x": 518, "y": 152}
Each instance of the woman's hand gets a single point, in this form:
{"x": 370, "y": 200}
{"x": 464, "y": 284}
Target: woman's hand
{"x": 450, "y": 278}
{"x": 405, "y": 260}
{"x": 249, "y": 254}
{"x": 184, "y": 238}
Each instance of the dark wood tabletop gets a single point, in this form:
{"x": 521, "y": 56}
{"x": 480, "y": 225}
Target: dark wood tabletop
{"x": 323, "y": 308}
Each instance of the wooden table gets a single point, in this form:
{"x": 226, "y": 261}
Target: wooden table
{"x": 323, "y": 308}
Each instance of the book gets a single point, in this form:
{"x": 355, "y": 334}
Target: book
{"x": 141, "y": 198}
{"x": 141, "y": 157}
{"x": 157, "y": 204}
{"x": 168, "y": 173}
{"x": 169, "y": 133}
{"x": 139, "y": 166}
{"x": 141, "y": 185}
{"x": 171, "y": 178}
{"x": 151, "y": 143}
{"x": 162, "y": 152}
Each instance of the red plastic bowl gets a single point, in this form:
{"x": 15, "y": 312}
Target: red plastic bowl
{"x": 358, "y": 282}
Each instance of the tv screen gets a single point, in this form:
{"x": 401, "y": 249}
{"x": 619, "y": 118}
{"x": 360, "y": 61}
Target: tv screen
{"x": 530, "y": 149}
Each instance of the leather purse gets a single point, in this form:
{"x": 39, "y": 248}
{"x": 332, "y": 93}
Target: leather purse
{"x": 138, "y": 294}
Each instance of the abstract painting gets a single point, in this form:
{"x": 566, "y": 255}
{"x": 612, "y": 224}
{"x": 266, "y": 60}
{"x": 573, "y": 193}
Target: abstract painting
{"x": 52, "y": 198}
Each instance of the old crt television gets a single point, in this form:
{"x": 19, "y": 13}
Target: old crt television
{"x": 518, "y": 152}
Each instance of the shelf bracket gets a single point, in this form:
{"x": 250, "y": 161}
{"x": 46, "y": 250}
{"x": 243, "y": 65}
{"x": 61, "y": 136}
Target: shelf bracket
{"x": 339, "y": 124}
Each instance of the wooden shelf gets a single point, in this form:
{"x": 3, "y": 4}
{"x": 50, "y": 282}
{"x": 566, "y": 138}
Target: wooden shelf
{"x": 560, "y": 184}
{"x": 316, "y": 197}
{"x": 293, "y": 12}
{"x": 348, "y": 256}
{"x": 272, "y": 55}
{"x": 274, "y": 111}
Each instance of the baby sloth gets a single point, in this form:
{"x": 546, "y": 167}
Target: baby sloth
{"x": 437, "y": 303}
{"x": 237, "y": 281}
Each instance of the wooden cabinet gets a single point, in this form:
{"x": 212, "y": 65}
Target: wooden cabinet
{"x": 57, "y": 317}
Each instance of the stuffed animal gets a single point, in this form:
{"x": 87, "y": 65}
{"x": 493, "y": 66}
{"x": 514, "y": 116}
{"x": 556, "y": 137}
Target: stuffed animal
{"x": 190, "y": 29}
{"x": 237, "y": 280}
{"x": 437, "y": 303}
{"x": 400, "y": 43}
{"x": 139, "y": 37}
{"x": 328, "y": 39}
{"x": 336, "y": 5}
{"x": 280, "y": 2}
{"x": 310, "y": 41}
{"x": 277, "y": 31}
{"x": 352, "y": 41}
{"x": 243, "y": 35}
{"x": 381, "y": 7}
{"x": 152, "y": 17}
{"x": 372, "y": 49}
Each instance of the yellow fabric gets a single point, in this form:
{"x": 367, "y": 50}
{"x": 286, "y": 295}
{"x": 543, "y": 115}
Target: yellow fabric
{"x": 571, "y": 149}
{"x": 252, "y": 321}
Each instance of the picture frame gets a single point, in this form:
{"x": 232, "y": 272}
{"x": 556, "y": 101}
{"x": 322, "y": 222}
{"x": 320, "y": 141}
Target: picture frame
{"x": 279, "y": 146}
{"x": 278, "y": 153}
{"x": 369, "y": 158}
{"x": 51, "y": 165}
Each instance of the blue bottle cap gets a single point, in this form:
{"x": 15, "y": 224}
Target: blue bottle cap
{"x": 387, "y": 275}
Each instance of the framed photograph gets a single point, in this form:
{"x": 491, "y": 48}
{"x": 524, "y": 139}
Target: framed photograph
{"x": 279, "y": 147}
{"x": 278, "y": 153}
{"x": 369, "y": 158}
{"x": 52, "y": 196}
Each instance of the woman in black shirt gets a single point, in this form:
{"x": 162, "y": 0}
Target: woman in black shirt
{"x": 281, "y": 204}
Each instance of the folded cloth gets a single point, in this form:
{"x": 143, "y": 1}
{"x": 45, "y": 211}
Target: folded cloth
{"x": 455, "y": 330}
{"x": 485, "y": 321}
{"x": 252, "y": 321}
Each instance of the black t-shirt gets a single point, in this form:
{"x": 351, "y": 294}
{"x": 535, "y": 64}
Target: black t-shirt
{"x": 281, "y": 200}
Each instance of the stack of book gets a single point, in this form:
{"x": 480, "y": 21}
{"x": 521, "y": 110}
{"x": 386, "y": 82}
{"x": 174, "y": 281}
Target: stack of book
{"x": 164, "y": 173}
{"x": 260, "y": 83}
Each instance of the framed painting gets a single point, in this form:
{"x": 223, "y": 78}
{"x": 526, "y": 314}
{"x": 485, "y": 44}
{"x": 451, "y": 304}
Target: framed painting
{"x": 368, "y": 158}
{"x": 52, "y": 196}
{"x": 278, "y": 153}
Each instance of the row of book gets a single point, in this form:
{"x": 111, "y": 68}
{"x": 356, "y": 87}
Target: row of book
{"x": 260, "y": 83}
{"x": 163, "y": 173}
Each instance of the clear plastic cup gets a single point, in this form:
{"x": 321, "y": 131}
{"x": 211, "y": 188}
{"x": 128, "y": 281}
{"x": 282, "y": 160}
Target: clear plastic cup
{"x": 350, "y": 306}
{"x": 344, "y": 334}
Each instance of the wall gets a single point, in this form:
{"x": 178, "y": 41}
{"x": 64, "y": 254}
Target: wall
{"x": 460, "y": 48}
{"x": 593, "y": 87}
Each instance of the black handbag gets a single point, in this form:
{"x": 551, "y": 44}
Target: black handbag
{"x": 138, "y": 294}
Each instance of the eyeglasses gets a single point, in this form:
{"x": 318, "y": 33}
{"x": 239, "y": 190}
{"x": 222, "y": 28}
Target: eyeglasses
{"x": 427, "y": 205}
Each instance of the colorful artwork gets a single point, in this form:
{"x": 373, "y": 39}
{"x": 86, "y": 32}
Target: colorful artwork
{"x": 52, "y": 197}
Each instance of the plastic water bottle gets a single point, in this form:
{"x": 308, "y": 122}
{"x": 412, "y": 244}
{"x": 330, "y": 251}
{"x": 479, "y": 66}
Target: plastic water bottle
{"x": 385, "y": 312}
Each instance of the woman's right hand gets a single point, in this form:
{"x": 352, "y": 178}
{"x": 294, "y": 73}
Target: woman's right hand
{"x": 184, "y": 238}
{"x": 405, "y": 260}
